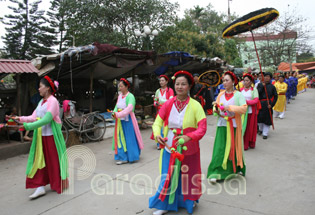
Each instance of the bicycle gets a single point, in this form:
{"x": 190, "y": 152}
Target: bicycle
{"x": 92, "y": 125}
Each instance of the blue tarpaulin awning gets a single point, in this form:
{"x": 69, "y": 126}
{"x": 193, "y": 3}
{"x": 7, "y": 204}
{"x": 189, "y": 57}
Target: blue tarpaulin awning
{"x": 179, "y": 58}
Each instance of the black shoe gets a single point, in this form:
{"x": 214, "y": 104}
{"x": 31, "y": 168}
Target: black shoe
{"x": 259, "y": 132}
{"x": 265, "y": 137}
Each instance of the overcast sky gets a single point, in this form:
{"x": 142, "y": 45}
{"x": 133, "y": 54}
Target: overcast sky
{"x": 240, "y": 7}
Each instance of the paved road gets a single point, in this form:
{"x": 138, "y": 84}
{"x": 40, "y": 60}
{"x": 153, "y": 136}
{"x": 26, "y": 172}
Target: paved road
{"x": 280, "y": 176}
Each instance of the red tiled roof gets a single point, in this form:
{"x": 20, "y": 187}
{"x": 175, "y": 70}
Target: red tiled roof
{"x": 285, "y": 67}
{"x": 17, "y": 66}
{"x": 311, "y": 68}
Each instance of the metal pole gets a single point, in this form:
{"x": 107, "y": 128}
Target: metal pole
{"x": 229, "y": 14}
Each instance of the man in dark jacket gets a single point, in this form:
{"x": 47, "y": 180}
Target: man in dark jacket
{"x": 198, "y": 90}
{"x": 264, "y": 118}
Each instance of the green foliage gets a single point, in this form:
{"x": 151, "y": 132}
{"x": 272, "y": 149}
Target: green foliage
{"x": 207, "y": 19}
{"x": 2, "y": 53}
{"x": 230, "y": 50}
{"x": 26, "y": 32}
{"x": 114, "y": 21}
{"x": 199, "y": 33}
{"x": 270, "y": 69}
{"x": 56, "y": 14}
{"x": 196, "y": 33}
{"x": 8, "y": 79}
{"x": 305, "y": 57}
{"x": 237, "y": 62}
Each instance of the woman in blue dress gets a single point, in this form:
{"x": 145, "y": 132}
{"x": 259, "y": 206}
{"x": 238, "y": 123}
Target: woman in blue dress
{"x": 127, "y": 140}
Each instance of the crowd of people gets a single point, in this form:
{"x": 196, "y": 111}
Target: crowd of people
{"x": 243, "y": 106}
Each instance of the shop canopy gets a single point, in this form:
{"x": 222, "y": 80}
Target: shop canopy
{"x": 8, "y": 66}
{"x": 108, "y": 62}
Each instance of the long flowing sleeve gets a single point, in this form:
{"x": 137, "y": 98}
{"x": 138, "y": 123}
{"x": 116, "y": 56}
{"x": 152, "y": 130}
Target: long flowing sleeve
{"x": 284, "y": 89}
{"x": 51, "y": 114}
{"x": 242, "y": 108}
{"x": 31, "y": 118}
{"x": 157, "y": 126}
{"x": 158, "y": 122}
{"x": 124, "y": 112}
{"x": 54, "y": 108}
{"x": 130, "y": 102}
{"x": 39, "y": 123}
{"x": 156, "y": 95}
{"x": 201, "y": 123}
{"x": 238, "y": 109}
{"x": 253, "y": 101}
{"x": 200, "y": 131}
{"x": 255, "y": 97}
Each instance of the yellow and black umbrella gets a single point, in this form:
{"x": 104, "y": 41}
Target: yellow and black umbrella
{"x": 249, "y": 22}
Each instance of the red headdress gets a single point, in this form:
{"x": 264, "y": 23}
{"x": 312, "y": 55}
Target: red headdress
{"x": 164, "y": 76}
{"x": 186, "y": 73}
{"x": 52, "y": 85}
{"x": 277, "y": 74}
{"x": 125, "y": 80}
{"x": 233, "y": 76}
{"x": 248, "y": 75}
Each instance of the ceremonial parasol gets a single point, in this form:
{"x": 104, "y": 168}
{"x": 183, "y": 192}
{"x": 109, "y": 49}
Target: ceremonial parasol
{"x": 210, "y": 78}
{"x": 249, "y": 22}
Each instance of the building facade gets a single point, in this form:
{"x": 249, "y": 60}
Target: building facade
{"x": 272, "y": 49}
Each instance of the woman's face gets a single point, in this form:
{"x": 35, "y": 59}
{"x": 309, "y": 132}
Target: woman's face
{"x": 227, "y": 82}
{"x": 163, "y": 82}
{"x": 43, "y": 90}
{"x": 181, "y": 86}
{"x": 247, "y": 82}
{"x": 122, "y": 87}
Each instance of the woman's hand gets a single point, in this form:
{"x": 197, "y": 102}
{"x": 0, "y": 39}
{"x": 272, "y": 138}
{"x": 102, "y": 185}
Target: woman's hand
{"x": 160, "y": 140}
{"x": 185, "y": 137}
{"x": 16, "y": 118}
{"x": 216, "y": 108}
{"x": 113, "y": 115}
